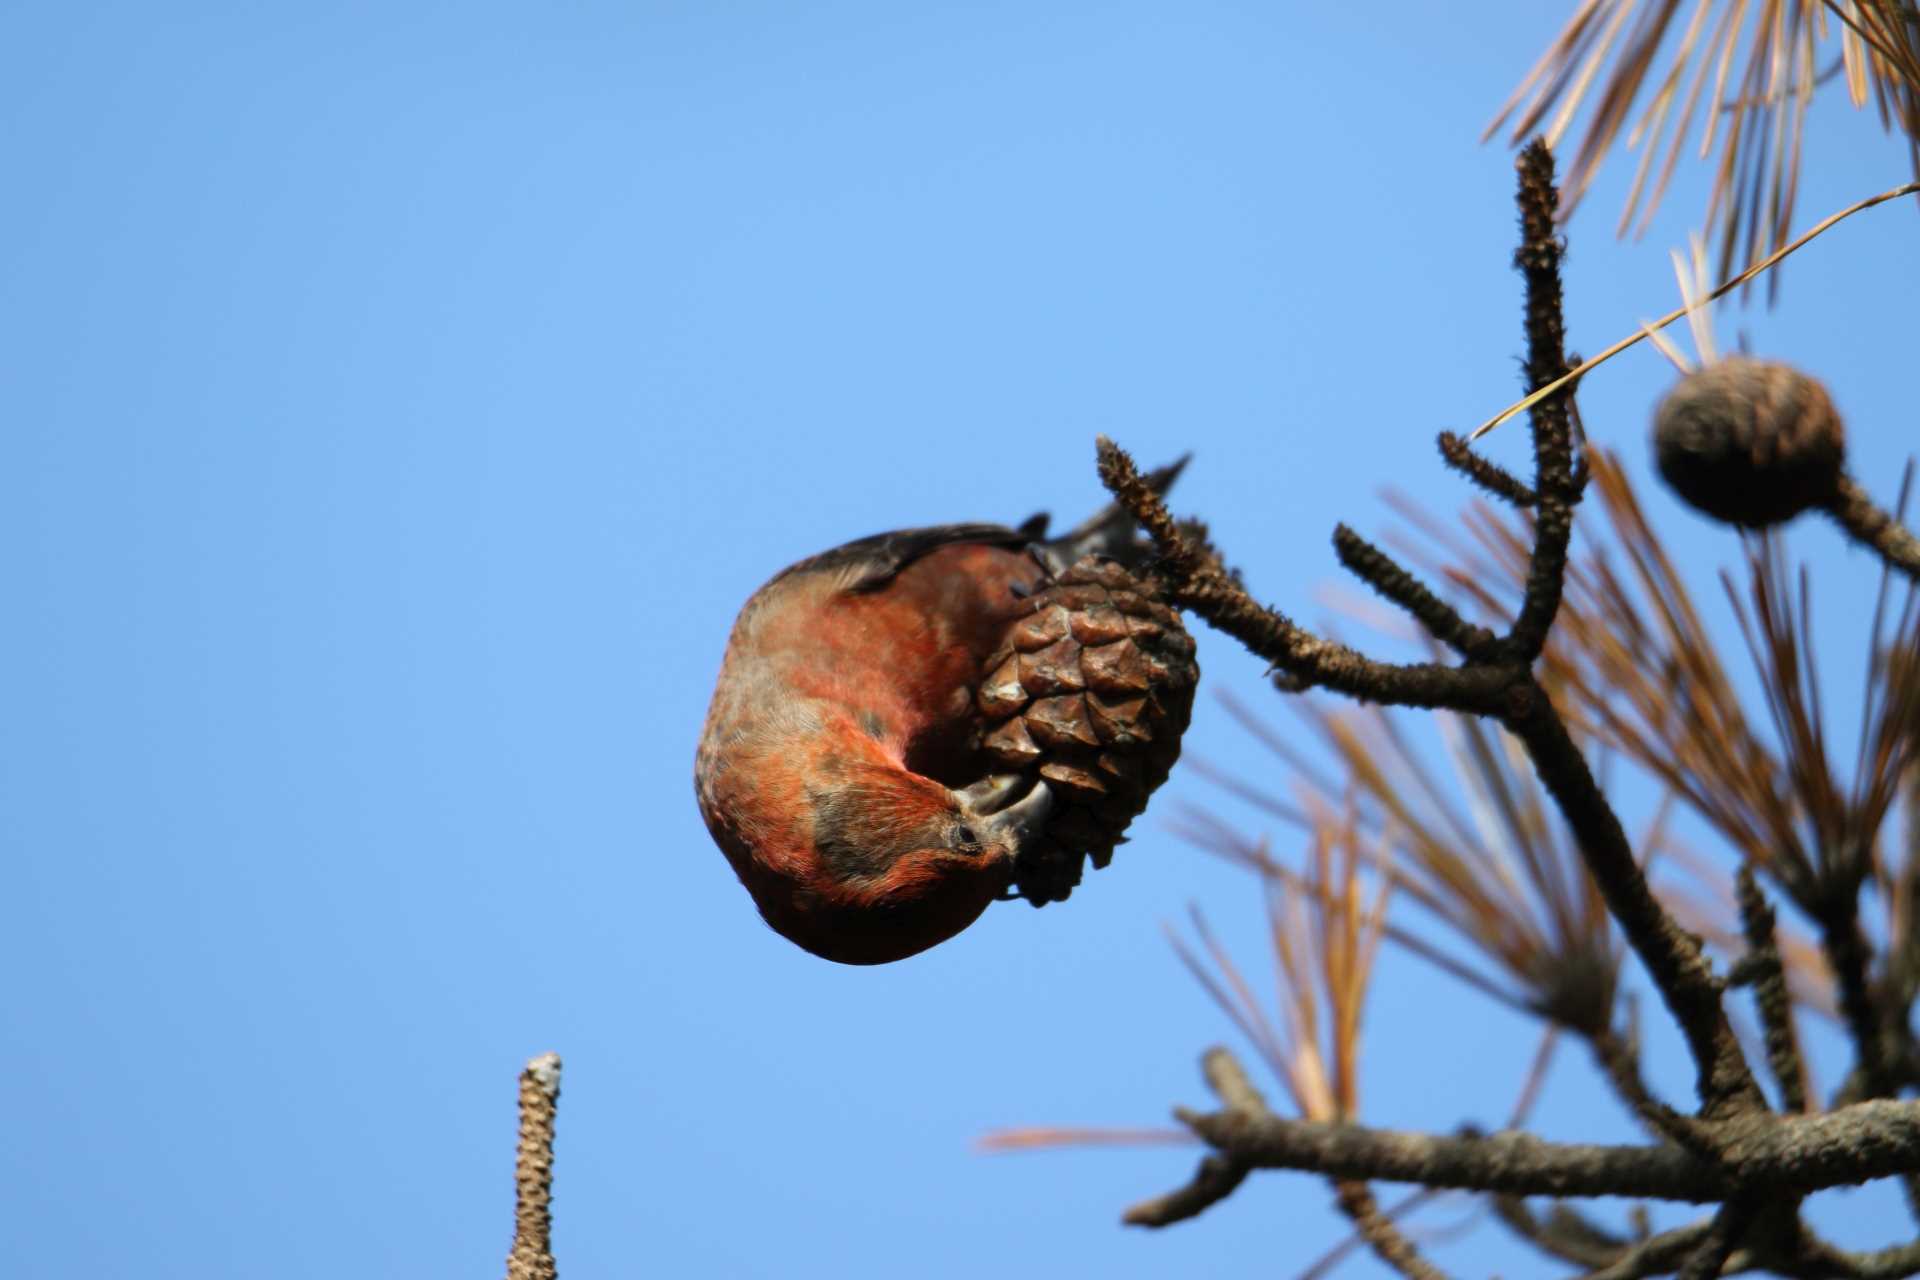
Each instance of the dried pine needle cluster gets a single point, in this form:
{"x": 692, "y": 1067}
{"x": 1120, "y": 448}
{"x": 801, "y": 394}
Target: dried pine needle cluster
{"x": 1325, "y": 925}
{"x": 1741, "y": 76}
{"x": 1475, "y": 850}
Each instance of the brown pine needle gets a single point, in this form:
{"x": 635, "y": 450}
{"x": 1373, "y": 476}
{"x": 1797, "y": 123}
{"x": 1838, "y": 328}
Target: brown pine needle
{"x": 1048, "y": 1137}
{"x": 1771, "y": 260}
{"x": 1673, "y": 354}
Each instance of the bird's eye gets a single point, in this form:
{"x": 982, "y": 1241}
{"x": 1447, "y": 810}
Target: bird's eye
{"x": 964, "y": 836}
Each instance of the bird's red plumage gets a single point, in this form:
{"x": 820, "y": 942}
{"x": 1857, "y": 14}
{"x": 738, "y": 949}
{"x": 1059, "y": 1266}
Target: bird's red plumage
{"x": 860, "y": 696}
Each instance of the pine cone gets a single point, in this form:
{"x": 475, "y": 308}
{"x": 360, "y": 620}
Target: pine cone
{"x": 1091, "y": 692}
{"x": 1749, "y": 442}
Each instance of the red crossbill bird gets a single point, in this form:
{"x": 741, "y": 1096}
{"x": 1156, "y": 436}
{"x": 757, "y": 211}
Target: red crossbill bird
{"x": 838, "y": 769}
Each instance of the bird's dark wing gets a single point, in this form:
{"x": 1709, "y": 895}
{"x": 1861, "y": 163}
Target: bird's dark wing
{"x": 1109, "y": 532}
{"x": 873, "y": 562}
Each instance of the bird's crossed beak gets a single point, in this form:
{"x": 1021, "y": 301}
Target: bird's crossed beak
{"x": 1001, "y": 820}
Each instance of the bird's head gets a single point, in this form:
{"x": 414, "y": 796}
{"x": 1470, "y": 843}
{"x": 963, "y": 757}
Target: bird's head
{"x": 899, "y": 863}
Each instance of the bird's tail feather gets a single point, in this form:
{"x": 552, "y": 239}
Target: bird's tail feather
{"x": 1109, "y": 531}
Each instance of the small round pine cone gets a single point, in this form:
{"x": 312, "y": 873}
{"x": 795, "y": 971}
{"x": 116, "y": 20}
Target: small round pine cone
{"x": 1750, "y": 442}
{"x": 1091, "y": 692}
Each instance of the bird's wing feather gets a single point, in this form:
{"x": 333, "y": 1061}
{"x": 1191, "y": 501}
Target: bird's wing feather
{"x": 871, "y": 563}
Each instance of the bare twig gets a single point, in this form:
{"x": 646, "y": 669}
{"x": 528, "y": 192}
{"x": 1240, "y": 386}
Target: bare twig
{"x": 1671, "y": 954}
{"x": 1486, "y": 473}
{"x": 1230, "y": 1083}
{"x": 1198, "y": 581}
{"x": 1711, "y": 1253}
{"x": 1790, "y": 1155}
{"x": 1770, "y": 994}
{"x": 1377, "y": 569}
{"x": 1564, "y": 1233}
{"x": 1867, "y": 523}
{"x": 1657, "y": 1254}
{"x": 1218, "y": 1176}
{"x": 1821, "y": 1258}
{"x": 1620, "y": 1062}
{"x": 1522, "y": 1107}
{"x": 1377, "y": 1228}
{"x": 1327, "y": 1261}
{"x": 1538, "y": 258}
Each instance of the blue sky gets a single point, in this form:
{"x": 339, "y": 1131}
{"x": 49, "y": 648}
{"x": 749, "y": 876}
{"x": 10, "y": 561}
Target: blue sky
{"x": 399, "y": 401}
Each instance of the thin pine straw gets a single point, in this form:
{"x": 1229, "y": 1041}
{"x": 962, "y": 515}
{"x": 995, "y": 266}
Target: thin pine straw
{"x": 1324, "y": 933}
{"x": 1476, "y": 851}
{"x": 1647, "y": 330}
